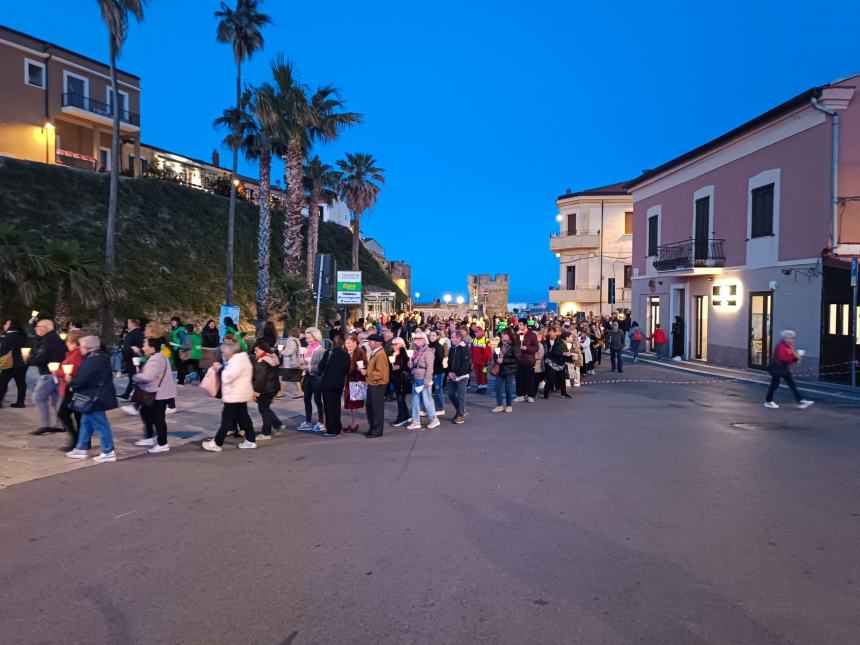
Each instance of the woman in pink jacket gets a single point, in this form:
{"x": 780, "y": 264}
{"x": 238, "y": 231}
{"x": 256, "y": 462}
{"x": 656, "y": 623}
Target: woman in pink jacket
{"x": 237, "y": 389}
{"x": 156, "y": 376}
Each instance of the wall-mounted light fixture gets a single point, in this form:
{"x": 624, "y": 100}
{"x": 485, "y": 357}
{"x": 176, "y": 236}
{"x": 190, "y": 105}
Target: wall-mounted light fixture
{"x": 724, "y": 295}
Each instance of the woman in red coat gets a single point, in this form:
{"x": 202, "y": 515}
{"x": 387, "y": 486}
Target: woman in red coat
{"x": 781, "y": 365}
{"x": 71, "y": 364}
{"x": 354, "y": 375}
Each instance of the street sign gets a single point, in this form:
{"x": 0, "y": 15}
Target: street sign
{"x": 322, "y": 275}
{"x": 485, "y": 292}
{"x": 853, "y": 272}
{"x": 228, "y": 311}
{"x": 349, "y": 287}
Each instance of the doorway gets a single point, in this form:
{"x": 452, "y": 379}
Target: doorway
{"x": 760, "y": 332}
{"x": 653, "y": 318}
{"x": 702, "y": 328}
{"x": 678, "y": 335}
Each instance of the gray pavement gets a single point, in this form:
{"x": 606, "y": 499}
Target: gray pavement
{"x": 661, "y": 509}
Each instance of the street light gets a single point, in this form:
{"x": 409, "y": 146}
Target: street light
{"x": 558, "y": 217}
{"x": 447, "y": 298}
{"x": 417, "y": 295}
{"x": 460, "y": 300}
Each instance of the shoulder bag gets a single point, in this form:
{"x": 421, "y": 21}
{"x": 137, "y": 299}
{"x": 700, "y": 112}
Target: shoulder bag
{"x": 7, "y": 361}
{"x": 83, "y": 404}
{"x": 144, "y": 398}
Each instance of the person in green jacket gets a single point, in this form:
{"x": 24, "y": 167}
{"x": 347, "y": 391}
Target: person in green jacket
{"x": 190, "y": 352}
{"x": 231, "y": 328}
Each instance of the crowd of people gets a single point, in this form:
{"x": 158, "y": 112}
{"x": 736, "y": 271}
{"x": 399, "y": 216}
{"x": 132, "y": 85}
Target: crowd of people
{"x": 405, "y": 359}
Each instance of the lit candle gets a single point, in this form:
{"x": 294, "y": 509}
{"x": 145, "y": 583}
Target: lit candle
{"x": 410, "y": 352}
{"x": 63, "y": 336}
{"x": 281, "y": 348}
{"x": 67, "y": 369}
{"x": 25, "y": 352}
{"x": 34, "y": 313}
{"x": 390, "y": 360}
{"x": 53, "y": 367}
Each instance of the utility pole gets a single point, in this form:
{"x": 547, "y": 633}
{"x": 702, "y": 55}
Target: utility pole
{"x": 600, "y": 288}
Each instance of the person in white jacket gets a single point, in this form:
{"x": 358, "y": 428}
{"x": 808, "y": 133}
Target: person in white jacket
{"x": 236, "y": 390}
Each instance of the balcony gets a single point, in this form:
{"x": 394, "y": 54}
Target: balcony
{"x": 92, "y": 109}
{"x": 574, "y": 295}
{"x": 559, "y": 242}
{"x": 690, "y": 254}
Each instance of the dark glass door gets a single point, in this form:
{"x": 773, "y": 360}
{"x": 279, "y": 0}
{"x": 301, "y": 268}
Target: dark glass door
{"x": 653, "y": 318}
{"x": 703, "y": 207}
{"x": 702, "y": 328}
{"x": 760, "y": 332}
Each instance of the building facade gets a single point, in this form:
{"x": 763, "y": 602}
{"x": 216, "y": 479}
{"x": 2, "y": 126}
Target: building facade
{"x": 488, "y": 294}
{"x": 58, "y": 106}
{"x": 594, "y": 247}
{"x": 753, "y": 233}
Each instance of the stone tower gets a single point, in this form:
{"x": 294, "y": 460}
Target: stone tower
{"x": 489, "y": 294}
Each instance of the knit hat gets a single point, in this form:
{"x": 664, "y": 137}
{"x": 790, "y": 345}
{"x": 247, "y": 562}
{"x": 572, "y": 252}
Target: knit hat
{"x": 421, "y": 335}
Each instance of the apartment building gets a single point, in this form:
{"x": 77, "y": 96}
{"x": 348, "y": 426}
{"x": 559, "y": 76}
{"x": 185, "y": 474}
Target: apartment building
{"x": 753, "y": 233}
{"x": 594, "y": 247}
{"x": 58, "y": 106}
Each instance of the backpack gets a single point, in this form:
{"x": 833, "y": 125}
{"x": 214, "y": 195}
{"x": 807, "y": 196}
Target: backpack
{"x": 637, "y": 336}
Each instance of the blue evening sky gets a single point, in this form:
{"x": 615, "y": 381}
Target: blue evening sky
{"x": 482, "y": 112}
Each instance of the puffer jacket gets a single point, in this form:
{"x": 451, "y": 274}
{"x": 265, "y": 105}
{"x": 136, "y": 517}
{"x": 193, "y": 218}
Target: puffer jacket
{"x": 510, "y": 359}
{"x": 95, "y": 379}
{"x": 265, "y": 378}
{"x": 237, "y": 379}
{"x": 421, "y": 364}
{"x": 157, "y": 376}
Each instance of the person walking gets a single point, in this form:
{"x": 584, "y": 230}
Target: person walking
{"x": 155, "y": 379}
{"x": 312, "y": 382}
{"x": 49, "y": 349}
{"x": 355, "y": 392}
{"x": 781, "y": 366}
{"x": 190, "y": 353}
{"x": 505, "y": 368}
{"x": 526, "y": 367}
{"x": 15, "y": 368}
{"x": 131, "y": 346}
{"x": 616, "y": 341}
{"x": 334, "y": 368}
{"x": 291, "y": 362}
{"x": 266, "y": 386}
{"x": 482, "y": 356}
{"x": 236, "y": 390}
{"x": 377, "y": 374}
{"x": 658, "y": 338}
{"x": 421, "y": 365}
{"x": 70, "y": 366}
{"x": 401, "y": 381}
{"x": 557, "y": 361}
{"x": 440, "y": 357}
{"x": 459, "y": 369}
{"x": 93, "y": 395}
{"x": 635, "y": 336}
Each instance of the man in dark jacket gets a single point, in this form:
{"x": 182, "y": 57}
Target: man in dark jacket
{"x": 615, "y": 340}
{"x": 49, "y": 349}
{"x": 334, "y": 368}
{"x": 526, "y": 369}
{"x": 11, "y": 342}
{"x": 134, "y": 338}
{"x": 266, "y": 386}
{"x": 459, "y": 368}
{"x": 94, "y": 381}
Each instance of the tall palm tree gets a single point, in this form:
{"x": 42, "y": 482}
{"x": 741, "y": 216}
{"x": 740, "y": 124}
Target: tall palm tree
{"x": 21, "y": 267}
{"x": 359, "y": 187}
{"x": 300, "y": 119}
{"x": 115, "y": 14}
{"x": 321, "y": 181}
{"x": 242, "y": 28}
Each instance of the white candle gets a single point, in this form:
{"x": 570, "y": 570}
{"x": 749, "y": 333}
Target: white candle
{"x": 67, "y": 369}
{"x": 63, "y": 335}
{"x": 361, "y": 364}
{"x": 303, "y": 350}
{"x": 34, "y": 313}
{"x": 281, "y": 348}
{"x": 25, "y": 352}
{"x": 53, "y": 367}
{"x": 135, "y": 360}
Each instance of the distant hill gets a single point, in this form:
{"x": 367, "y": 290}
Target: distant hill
{"x": 171, "y": 239}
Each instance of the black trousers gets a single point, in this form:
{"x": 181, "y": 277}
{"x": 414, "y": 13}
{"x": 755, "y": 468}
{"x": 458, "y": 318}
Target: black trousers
{"x": 131, "y": 370}
{"x": 774, "y": 385}
{"x": 233, "y": 414}
{"x": 311, "y": 389}
{"x": 403, "y": 412}
{"x": 19, "y": 375}
{"x": 185, "y": 367}
{"x": 154, "y": 421}
{"x": 525, "y": 380}
{"x": 557, "y": 379}
{"x": 70, "y": 419}
{"x": 375, "y": 405}
{"x": 270, "y": 419}
{"x": 331, "y": 403}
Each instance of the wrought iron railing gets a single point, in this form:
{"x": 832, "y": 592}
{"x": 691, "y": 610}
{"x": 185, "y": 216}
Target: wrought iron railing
{"x": 566, "y": 233}
{"x": 82, "y": 102}
{"x": 690, "y": 254}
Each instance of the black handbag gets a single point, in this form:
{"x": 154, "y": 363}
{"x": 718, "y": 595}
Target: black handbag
{"x": 144, "y": 398}
{"x": 83, "y": 404}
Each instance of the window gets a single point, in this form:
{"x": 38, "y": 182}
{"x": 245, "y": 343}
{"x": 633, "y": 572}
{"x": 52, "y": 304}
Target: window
{"x": 570, "y": 279}
{"x": 34, "y": 73}
{"x": 628, "y": 223}
{"x": 104, "y": 159}
{"x": 123, "y": 103}
{"x": 571, "y": 224}
{"x": 653, "y": 223}
{"x": 702, "y": 224}
{"x": 762, "y": 211}
{"x": 628, "y": 276}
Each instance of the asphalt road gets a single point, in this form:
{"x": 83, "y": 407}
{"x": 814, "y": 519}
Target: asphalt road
{"x": 638, "y": 512}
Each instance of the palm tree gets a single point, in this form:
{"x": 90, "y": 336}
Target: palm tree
{"x": 359, "y": 187}
{"x": 241, "y": 27}
{"x": 299, "y": 120}
{"x": 321, "y": 181}
{"x": 78, "y": 276}
{"x": 115, "y": 15}
{"x": 21, "y": 267}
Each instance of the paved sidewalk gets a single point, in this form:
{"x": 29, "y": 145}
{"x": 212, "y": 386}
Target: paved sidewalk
{"x": 24, "y": 457}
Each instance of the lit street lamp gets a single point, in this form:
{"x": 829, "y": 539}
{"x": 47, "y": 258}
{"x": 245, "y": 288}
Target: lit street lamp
{"x": 460, "y": 300}
{"x": 447, "y": 298}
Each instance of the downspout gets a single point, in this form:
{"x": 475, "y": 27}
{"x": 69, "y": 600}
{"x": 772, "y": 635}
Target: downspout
{"x": 600, "y": 290}
{"x": 834, "y": 169}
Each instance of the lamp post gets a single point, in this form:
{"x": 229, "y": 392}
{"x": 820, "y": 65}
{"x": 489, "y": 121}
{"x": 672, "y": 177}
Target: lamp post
{"x": 460, "y": 300}
{"x": 447, "y": 298}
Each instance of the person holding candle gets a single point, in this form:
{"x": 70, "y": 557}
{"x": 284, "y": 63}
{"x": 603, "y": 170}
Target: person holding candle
{"x": 401, "y": 380}
{"x": 266, "y": 386}
{"x": 507, "y": 360}
{"x": 131, "y": 346}
{"x": 357, "y": 360}
{"x": 49, "y": 349}
{"x": 94, "y": 384}
{"x": 459, "y": 368}
{"x": 11, "y": 343}
{"x": 155, "y": 377}
{"x": 440, "y": 362}
{"x": 378, "y": 373}
{"x": 421, "y": 364}
{"x": 70, "y": 419}
{"x": 291, "y": 364}
{"x": 333, "y": 369}
{"x": 526, "y": 371}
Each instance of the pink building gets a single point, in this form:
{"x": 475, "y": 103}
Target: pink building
{"x": 753, "y": 233}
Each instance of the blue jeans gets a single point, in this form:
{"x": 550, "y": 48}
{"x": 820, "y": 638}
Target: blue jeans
{"x": 505, "y": 385}
{"x": 616, "y": 360}
{"x": 427, "y": 397}
{"x": 457, "y": 394}
{"x": 437, "y": 392}
{"x": 47, "y": 400}
{"x": 95, "y": 422}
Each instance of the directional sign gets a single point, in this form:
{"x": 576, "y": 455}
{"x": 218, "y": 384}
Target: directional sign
{"x": 349, "y": 287}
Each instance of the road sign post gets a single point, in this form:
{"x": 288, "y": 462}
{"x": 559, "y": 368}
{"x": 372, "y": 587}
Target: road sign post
{"x": 349, "y": 287}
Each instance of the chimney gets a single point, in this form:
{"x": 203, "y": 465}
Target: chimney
{"x": 215, "y": 157}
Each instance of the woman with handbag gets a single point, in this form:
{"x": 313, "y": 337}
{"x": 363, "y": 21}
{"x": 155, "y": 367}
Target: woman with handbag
{"x": 70, "y": 419}
{"x": 14, "y": 368}
{"x": 154, "y": 388}
{"x": 401, "y": 380}
{"x": 505, "y": 368}
{"x": 312, "y": 384}
{"x": 355, "y": 393}
{"x": 421, "y": 365}
{"x": 93, "y": 395}
{"x": 236, "y": 390}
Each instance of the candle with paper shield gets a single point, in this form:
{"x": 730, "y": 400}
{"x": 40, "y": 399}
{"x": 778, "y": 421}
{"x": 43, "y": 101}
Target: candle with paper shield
{"x": 25, "y": 352}
{"x": 53, "y": 367}
{"x": 67, "y": 369}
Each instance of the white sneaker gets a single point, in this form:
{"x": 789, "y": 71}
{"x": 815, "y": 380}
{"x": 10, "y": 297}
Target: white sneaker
{"x": 440, "y": 413}
{"x": 263, "y": 437}
{"x": 576, "y": 384}
{"x": 77, "y": 454}
{"x": 105, "y": 457}
{"x": 519, "y": 399}
{"x": 157, "y": 448}
{"x": 413, "y": 426}
{"x": 804, "y": 404}
{"x": 771, "y": 405}
{"x": 171, "y": 410}
{"x": 509, "y": 409}
{"x": 129, "y": 409}
{"x": 530, "y": 399}
{"x": 498, "y": 408}
{"x": 423, "y": 414}
{"x": 247, "y": 445}
{"x": 145, "y": 442}
{"x": 405, "y": 422}
{"x": 305, "y": 425}
{"x": 435, "y": 423}
{"x": 211, "y": 446}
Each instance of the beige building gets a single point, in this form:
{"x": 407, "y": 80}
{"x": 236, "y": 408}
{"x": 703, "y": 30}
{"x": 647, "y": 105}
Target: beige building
{"x": 489, "y": 294}
{"x": 594, "y": 246}
{"x": 57, "y": 106}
